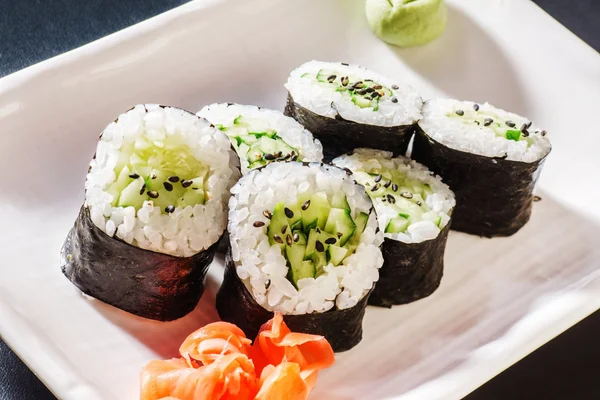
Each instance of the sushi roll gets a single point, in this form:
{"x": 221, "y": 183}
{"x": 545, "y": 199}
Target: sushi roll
{"x": 347, "y": 106}
{"x": 489, "y": 157}
{"x": 155, "y": 207}
{"x": 414, "y": 211}
{"x": 261, "y": 136}
{"x": 304, "y": 242}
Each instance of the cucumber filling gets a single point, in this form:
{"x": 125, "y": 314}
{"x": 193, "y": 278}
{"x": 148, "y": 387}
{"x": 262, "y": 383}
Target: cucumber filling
{"x": 363, "y": 93}
{"x": 315, "y": 232}
{"x": 164, "y": 172}
{"x": 257, "y": 144}
{"x": 500, "y": 126}
{"x": 405, "y": 196}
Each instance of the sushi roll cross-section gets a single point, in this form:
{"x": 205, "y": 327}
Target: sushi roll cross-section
{"x": 347, "y": 106}
{"x": 304, "y": 241}
{"x": 155, "y": 207}
{"x": 414, "y": 211}
{"x": 261, "y": 136}
{"x": 489, "y": 157}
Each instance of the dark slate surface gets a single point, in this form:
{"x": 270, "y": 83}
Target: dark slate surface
{"x": 33, "y": 30}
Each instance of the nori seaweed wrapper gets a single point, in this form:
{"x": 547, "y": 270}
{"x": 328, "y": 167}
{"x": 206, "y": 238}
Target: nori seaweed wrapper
{"x": 493, "y": 195}
{"x": 410, "y": 271}
{"x": 235, "y": 304}
{"x": 142, "y": 282}
{"x": 339, "y": 136}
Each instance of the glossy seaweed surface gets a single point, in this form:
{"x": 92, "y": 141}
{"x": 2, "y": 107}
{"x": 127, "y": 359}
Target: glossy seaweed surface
{"x": 235, "y": 304}
{"x": 410, "y": 272}
{"x": 142, "y": 282}
{"x": 340, "y": 136}
{"x": 493, "y": 195}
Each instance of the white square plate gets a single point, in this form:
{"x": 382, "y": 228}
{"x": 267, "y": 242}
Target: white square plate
{"x": 499, "y": 300}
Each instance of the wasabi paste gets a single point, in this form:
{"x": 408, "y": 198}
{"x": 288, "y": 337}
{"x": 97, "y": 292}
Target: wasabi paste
{"x": 407, "y": 22}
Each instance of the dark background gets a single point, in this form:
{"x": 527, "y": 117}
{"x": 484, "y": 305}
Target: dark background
{"x": 567, "y": 368}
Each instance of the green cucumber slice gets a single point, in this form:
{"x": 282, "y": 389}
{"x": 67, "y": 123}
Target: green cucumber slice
{"x": 277, "y": 224}
{"x": 317, "y": 212}
{"x": 306, "y": 269}
{"x": 397, "y": 225}
{"x": 338, "y": 200}
{"x": 340, "y": 221}
{"x": 336, "y": 254}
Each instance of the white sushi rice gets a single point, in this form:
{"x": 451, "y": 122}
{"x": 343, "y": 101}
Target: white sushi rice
{"x": 441, "y": 123}
{"x": 328, "y": 102}
{"x": 256, "y": 261}
{"x": 264, "y": 120}
{"x": 186, "y": 231}
{"x": 442, "y": 200}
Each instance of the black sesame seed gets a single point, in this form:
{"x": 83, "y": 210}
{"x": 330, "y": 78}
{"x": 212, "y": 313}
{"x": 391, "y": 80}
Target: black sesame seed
{"x": 395, "y": 187}
{"x": 134, "y": 176}
{"x": 537, "y": 198}
{"x": 267, "y": 283}
{"x": 331, "y": 78}
{"x": 383, "y": 199}
{"x": 543, "y": 133}
{"x": 169, "y": 209}
{"x": 318, "y": 230}
{"x": 395, "y": 87}
{"x": 348, "y": 171}
{"x": 362, "y": 92}
{"x": 269, "y": 157}
{"x": 487, "y": 122}
{"x": 153, "y": 194}
{"x": 258, "y": 224}
{"x": 375, "y": 188}
{"x": 387, "y": 184}
{"x": 394, "y": 100}
{"x": 459, "y": 112}
{"x": 296, "y": 237}
{"x": 510, "y": 124}
{"x": 339, "y": 234}
{"x": 278, "y": 154}
{"x": 525, "y": 133}
{"x": 284, "y": 229}
{"x": 419, "y": 203}
{"x": 278, "y": 239}
{"x": 331, "y": 240}
{"x": 477, "y": 122}
{"x": 288, "y": 213}
{"x": 345, "y": 81}
{"x": 523, "y": 127}
{"x": 529, "y": 124}
{"x": 391, "y": 199}
{"x": 288, "y": 240}
{"x": 186, "y": 184}
{"x": 267, "y": 214}
{"x": 173, "y": 178}
{"x": 368, "y": 80}
{"x": 378, "y": 178}
{"x": 143, "y": 188}
{"x": 306, "y": 205}
{"x": 374, "y": 95}
{"x": 168, "y": 186}
{"x": 319, "y": 246}
{"x": 358, "y": 85}
{"x": 377, "y": 87}
{"x": 406, "y": 195}
{"x": 369, "y": 90}
{"x": 476, "y": 107}
{"x": 345, "y": 64}
{"x": 153, "y": 176}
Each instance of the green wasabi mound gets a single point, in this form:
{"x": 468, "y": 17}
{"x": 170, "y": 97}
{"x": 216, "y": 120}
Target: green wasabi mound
{"x": 407, "y": 23}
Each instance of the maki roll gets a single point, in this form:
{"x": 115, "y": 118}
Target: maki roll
{"x": 413, "y": 209}
{"x": 261, "y": 136}
{"x": 155, "y": 207}
{"x": 491, "y": 159}
{"x": 304, "y": 241}
{"x": 347, "y": 106}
